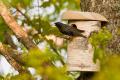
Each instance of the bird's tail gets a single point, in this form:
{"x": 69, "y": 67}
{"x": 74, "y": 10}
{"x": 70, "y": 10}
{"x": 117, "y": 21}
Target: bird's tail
{"x": 83, "y": 36}
{"x": 82, "y": 31}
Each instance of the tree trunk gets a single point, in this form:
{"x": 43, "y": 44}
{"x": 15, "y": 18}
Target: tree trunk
{"x": 111, "y": 10}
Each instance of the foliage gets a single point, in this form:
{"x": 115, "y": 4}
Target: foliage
{"x": 1, "y": 77}
{"x": 99, "y": 41}
{"x": 110, "y": 70}
{"x": 44, "y": 65}
{"x": 39, "y": 21}
{"x": 109, "y": 64}
{"x": 3, "y": 28}
{"x": 18, "y": 3}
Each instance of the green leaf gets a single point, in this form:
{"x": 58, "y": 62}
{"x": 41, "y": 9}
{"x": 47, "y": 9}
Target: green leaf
{"x": 110, "y": 70}
{"x": 99, "y": 41}
{"x": 3, "y": 28}
{"x": 46, "y": 4}
{"x": 1, "y": 77}
{"x": 20, "y": 3}
{"x": 23, "y": 76}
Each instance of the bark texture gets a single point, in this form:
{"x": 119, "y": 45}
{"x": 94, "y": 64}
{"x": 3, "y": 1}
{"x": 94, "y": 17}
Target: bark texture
{"x": 111, "y": 10}
{"x": 7, "y": 53}
{"x": 4, "y": 49}
{"x": 13, "y": 25}
{"x": 9, "y": 40}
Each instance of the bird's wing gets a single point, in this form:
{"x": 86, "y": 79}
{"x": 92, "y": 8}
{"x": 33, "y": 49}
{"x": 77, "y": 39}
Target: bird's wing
{"x": 81, "y": 30}
{"x": 74, "y": 26}
{"x": 67, "y": 27}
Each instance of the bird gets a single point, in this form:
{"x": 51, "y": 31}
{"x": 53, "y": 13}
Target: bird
{"x": 70, "y": 30}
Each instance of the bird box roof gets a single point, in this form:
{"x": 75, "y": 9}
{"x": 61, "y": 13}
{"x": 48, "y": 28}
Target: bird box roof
{"x": 83, "y": 16}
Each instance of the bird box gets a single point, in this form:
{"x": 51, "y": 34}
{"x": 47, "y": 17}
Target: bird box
{"x": 80, "y": 51}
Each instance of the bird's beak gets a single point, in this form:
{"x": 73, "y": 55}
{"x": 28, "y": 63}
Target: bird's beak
{"x": 53, "y": 24}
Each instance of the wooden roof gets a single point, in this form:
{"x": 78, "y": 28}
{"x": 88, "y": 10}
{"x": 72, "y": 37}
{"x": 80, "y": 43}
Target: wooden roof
{"x": 77, "y": 15}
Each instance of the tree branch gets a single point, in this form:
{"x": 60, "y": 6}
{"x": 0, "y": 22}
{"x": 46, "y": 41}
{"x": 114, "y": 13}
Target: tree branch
{"x": 13, "y": 53}
{"x": 9, "y": 40}
{"x": 8, "y": 55}
{"x": 13, "y": 25}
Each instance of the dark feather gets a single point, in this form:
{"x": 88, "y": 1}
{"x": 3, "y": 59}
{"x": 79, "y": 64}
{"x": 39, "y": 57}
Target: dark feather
{"x": 70, "y": 30}
{"x": 74, "y": 25}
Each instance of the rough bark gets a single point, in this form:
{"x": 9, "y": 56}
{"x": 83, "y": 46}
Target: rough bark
{"x": 13, "y": 25}
{"x": 7, "y": 53}
{"x": 111, "y": 10}
{"x": 13, "y": 53}
{"x": 9, "y": 40}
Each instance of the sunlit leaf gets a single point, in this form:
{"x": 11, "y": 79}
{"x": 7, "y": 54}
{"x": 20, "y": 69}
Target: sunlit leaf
{"x": 99, "y": 41}
{"x": 110, "y": 70}
{"x": 3, "y": 28}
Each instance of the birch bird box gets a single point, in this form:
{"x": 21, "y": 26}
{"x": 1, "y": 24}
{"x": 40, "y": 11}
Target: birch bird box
{"x": 80, "y": 51}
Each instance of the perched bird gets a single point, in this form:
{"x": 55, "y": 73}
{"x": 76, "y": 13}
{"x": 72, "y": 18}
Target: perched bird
{"x": 70, "y": 30}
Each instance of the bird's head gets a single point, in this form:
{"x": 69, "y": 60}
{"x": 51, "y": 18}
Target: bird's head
{"x": 58, "y": 24}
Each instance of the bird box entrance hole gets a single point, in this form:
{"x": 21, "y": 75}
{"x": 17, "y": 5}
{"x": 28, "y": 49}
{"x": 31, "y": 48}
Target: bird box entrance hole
{"x": 80, "y": 51}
